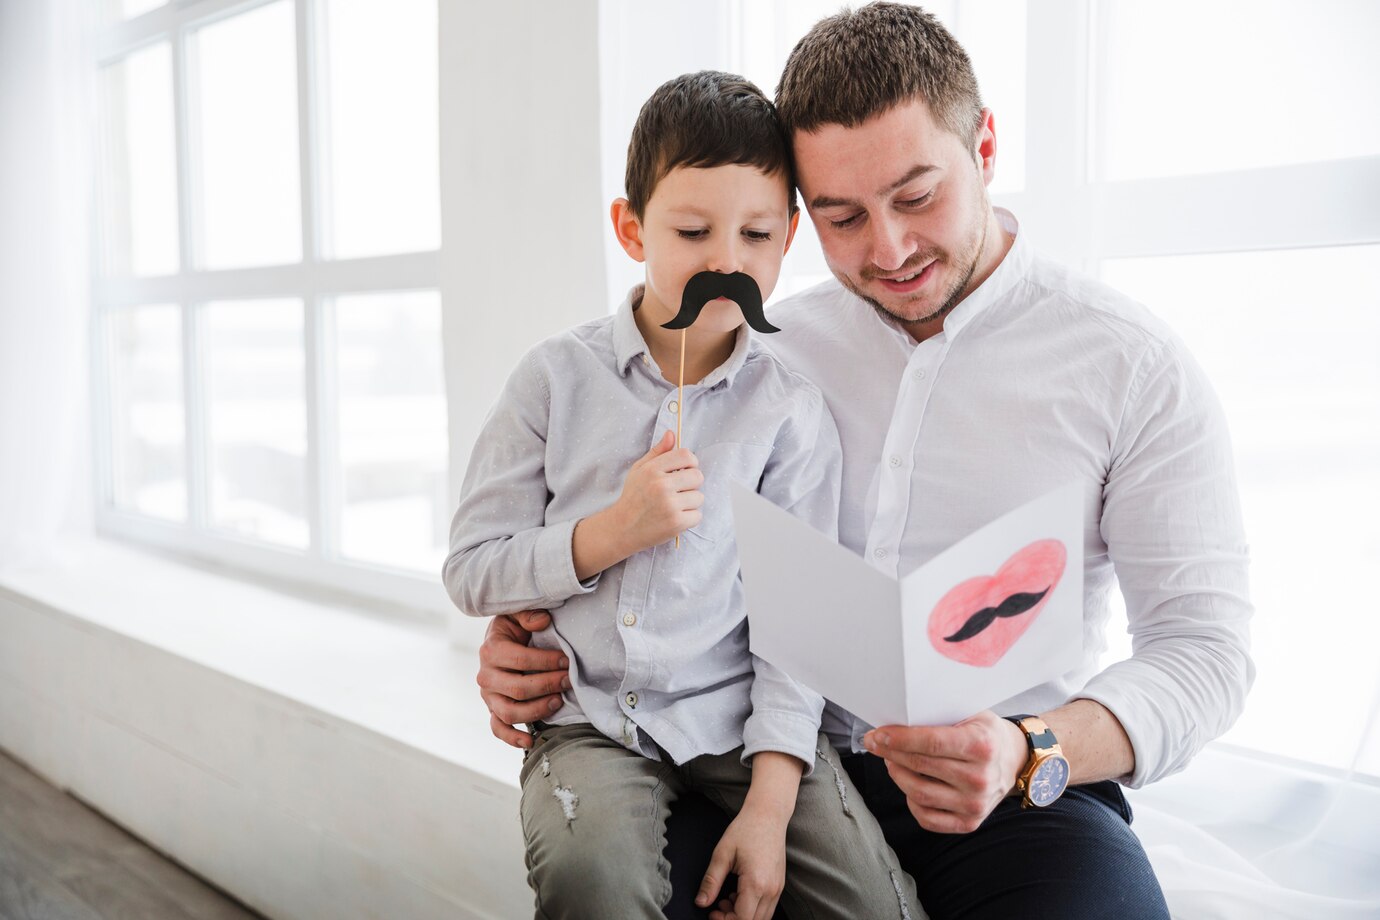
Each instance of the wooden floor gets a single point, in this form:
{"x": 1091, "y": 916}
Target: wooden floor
{"x": 59, "y": 860}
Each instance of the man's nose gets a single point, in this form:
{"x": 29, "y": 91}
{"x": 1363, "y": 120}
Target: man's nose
{"x": 890, "y": 245}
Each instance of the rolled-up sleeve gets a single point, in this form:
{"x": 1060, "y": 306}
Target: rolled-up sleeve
{"x": 504, "y": 557}
{"x": 1171, "y": 520}
{"x": 803, "y": 476}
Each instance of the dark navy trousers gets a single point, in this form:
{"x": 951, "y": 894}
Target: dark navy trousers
{"x": 1075, "y": 860}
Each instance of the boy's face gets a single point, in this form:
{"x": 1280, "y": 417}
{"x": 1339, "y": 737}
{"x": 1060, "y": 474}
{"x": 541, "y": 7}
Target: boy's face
{"x": 727, "y": 219}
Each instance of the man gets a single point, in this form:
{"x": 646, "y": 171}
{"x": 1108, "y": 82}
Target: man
{"x": 969, "y": 375}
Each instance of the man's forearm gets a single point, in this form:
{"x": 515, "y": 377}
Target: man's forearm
{"x": 1093, "y": 740}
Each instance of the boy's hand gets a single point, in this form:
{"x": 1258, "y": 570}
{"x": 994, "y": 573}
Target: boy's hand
{"x": 660, "y": 499}
{"x": 753, "y": 847}
{"x": 661, "y": 496}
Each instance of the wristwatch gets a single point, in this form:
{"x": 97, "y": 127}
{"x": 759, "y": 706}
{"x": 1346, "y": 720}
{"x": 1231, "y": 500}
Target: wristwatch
{"x": 1046, "y": 773}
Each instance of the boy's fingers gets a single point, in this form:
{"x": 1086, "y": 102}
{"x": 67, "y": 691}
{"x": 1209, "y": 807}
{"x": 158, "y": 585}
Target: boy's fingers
{"x": 714, "y": 876}
{"x": 745, "y": 904}
{"x": 684, "y": 480}
{"x": 681, "y": 458}
{"x": 667, "y": 442}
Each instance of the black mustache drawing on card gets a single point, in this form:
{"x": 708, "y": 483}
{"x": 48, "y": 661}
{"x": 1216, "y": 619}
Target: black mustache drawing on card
{"x": 737, "y": 287}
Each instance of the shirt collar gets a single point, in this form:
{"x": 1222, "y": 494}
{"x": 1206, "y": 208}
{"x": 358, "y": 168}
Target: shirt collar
{"x": 628, "y": 344}
{"x": 1008, "y": 273}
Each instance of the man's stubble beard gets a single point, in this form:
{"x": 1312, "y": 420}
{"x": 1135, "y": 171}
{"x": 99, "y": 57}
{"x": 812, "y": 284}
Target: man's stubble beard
{"x": 953, "y": 296}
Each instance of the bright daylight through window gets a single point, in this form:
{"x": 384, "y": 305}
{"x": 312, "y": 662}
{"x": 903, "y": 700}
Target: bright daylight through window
{"x": 267, "y": 287}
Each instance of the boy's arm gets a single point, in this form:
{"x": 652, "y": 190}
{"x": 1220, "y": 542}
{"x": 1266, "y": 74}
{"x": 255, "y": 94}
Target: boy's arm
{"x": 803, "y": 477}
{"x": 503, "y": 556}
{"x": 754, "y": 846}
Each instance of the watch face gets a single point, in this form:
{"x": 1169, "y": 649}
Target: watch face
{"x": 1049, "y": 780}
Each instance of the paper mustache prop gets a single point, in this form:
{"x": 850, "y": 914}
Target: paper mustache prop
{"x": 699, "y": 290}
{"x": 737, "y": 287}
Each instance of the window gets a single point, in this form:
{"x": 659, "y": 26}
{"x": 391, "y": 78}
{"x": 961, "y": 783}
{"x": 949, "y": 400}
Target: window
{"x": 267, "y": 301}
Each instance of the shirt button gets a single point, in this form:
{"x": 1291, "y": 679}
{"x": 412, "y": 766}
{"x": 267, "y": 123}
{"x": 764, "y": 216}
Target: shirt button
{"x": 879, "y": 553}
{"x": 631, "y": 700}
{"x": 895, "y": 461}
{"x": 919, "y": 375}
{"x": 646, "y": 360}
{"x": 674, "y": 406}
{"x": 629, "y": 619}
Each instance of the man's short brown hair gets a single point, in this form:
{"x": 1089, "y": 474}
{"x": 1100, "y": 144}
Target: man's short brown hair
{"x": 861, "y": 63}
{"x": 702, "y": 120}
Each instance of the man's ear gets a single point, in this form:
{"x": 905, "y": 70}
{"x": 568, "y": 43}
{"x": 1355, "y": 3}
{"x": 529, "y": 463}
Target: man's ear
{"x": 627, "y": 228}
{"x": 790, "y": 231}
{"x": 986, "y": 146}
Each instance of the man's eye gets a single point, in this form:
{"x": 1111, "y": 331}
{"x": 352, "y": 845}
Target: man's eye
{"x": 758, "y": 236}
{"x": 916, "y": 202}
{"x": 692, "y": 234}
{"x": 846, "y": 222}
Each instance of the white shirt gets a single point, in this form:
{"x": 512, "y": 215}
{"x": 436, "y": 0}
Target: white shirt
{"x": 1043, "y": 376}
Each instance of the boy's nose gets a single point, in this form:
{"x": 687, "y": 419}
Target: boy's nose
{"x": 725, "y": 258}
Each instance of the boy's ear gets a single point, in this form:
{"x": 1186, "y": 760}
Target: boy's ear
{"x": 790, "y": 231}
{"x": 627, "y": 228}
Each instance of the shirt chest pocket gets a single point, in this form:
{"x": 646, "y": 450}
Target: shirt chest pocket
{"x": 722, "y": 463}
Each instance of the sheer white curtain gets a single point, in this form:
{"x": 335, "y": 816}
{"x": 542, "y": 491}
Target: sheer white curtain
{"x": 1236, "y": 838}
{"x": 45, "y": 106}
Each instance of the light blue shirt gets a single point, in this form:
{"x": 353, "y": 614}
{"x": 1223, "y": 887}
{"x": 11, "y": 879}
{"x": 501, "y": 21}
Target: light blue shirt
{"x": 658, "y": 644}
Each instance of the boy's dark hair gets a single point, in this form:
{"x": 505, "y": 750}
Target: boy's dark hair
{"x": 860, "y": 63}
{"x": 703, "y": 120}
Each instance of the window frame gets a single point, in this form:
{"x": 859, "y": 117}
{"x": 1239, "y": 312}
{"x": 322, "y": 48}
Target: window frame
{"x": 315, "y": 280}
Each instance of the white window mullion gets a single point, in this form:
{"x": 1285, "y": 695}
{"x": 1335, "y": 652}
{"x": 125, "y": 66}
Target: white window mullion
{"x": 195, "y": 446}
{"x": 1285, "y": 207}
{"x": 315, "y": 339}
{"x": 1057, "y": 199}
{"x": 320, "y": 403}
{"x": 195, "y": 408}
{"x": 100, "y": 388}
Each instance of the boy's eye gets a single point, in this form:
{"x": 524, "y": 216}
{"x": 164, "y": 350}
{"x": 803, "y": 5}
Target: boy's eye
{"x": 692, "y": 234}
{"x": 758, "y": 236}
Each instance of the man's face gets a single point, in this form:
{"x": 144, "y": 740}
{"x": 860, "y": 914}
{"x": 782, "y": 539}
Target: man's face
{"x": 727, "y": 219}
{"x": 901, "y": 208}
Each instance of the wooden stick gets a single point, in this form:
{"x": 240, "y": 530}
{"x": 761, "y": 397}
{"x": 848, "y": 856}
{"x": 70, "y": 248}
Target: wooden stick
{"x": 680, "y": 400}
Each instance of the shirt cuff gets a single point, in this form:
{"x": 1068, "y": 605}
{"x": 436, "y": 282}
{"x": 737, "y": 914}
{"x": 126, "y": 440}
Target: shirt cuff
{"x": 1138, "y": 719}
{"x": 555, "y": 563}
{"x": 783, "y": 731}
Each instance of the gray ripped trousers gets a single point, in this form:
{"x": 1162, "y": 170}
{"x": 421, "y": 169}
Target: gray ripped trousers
{"x": 594, "y": 818}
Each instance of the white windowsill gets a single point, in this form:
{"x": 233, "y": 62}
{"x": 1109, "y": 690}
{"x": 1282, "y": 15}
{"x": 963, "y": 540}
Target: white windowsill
{"x": 398, "y": 677}
{"x": 312, "y": 758}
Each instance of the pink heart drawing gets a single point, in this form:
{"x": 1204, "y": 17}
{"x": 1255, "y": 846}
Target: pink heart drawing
{"x": 979, "y": 621}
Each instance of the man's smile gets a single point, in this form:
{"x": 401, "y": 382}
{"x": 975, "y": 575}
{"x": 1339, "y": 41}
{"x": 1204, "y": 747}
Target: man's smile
{"x": 910, "y": 281}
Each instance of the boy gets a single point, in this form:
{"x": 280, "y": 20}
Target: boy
{"x": 565, "y": 508}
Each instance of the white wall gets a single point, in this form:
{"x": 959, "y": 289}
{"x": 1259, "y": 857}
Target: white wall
{"x": 521, "y": 207}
